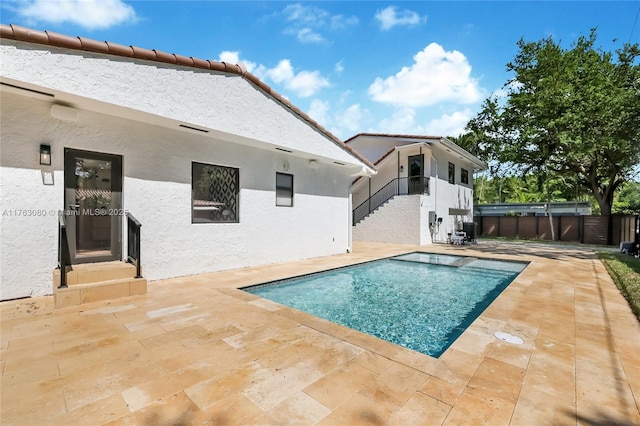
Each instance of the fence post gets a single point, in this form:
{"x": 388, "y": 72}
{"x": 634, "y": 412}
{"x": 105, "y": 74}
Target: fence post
{"x": 637, "y": 239}
{"x": 559, "y": 228}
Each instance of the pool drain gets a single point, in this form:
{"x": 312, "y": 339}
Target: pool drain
{"x": 509, "y": 338}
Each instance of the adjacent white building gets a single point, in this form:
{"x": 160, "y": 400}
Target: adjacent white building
{"x": 221, "y": 171}
{"x": 422, "y": 193}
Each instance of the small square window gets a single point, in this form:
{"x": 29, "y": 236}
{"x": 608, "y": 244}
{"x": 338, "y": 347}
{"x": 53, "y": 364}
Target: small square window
{"x": 215, "y": 192}
{"x": 284, "y": 190}
{"x": 464, "y": 176}
{"x": 452, "y": 173}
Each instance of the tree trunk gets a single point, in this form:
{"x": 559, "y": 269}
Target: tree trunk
{"x": 604, "y": 197}
{"x": 553, "y": 231}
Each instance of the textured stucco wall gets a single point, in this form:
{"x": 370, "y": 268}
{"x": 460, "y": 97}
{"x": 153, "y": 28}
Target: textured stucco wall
{"x": 399, "y": 221}
{"x": 391, "y": 218}
{"x": 223, "y": 102}
{"x": 157, "y": 190}
{"x": 445, "y": 196}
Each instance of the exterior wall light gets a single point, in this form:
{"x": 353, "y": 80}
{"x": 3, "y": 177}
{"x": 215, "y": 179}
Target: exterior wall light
{"x": 45, "y": 155}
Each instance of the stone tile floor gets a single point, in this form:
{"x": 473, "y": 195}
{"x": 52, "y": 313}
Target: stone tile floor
{"x": 196, "y": 350}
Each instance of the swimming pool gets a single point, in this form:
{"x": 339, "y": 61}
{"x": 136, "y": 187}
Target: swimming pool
{"x": 422, "y": 301}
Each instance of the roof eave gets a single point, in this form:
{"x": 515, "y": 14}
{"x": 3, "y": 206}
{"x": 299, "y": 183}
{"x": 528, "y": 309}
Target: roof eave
{"x": 49, "y": 38}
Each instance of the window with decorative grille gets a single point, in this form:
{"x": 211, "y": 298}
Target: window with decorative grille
{"x": 215, "y": 193}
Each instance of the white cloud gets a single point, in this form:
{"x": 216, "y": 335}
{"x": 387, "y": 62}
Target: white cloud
{"x": 233, "y": 57}
{"x": 506, "y": 90}
{"x": 90, "y": 14}
{"x": 305, "y": 22}
{"x": 310, "y": 15}
{"x": 338, "y": 67}
{"x": 391, "y": 17}
{"x": 449, "y": 124}
{"x": 343, "y": 123}
{"x": 436, "y": 76}
{"x": 307, "y": 35}
{"x": 404, "y": 121}
{"x": 351, "y": 118}
{"x": 341, "y": 21}
{"x": 318, "y": 110}
{"x": 303, "y": 83}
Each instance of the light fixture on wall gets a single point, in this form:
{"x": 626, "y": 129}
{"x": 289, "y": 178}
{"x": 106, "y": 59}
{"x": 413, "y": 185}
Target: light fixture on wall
{"x": 45, "y": 155}
{"x": 313, "y": 164}
{"x": 401, "y": 168}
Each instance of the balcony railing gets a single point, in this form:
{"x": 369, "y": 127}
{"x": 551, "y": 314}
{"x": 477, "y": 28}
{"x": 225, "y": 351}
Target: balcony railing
{"x": 398, "y": 186}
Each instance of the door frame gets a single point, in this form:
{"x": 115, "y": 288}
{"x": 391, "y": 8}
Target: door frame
{"x": 411, "y": 186}
{"x": 72, "y": 212}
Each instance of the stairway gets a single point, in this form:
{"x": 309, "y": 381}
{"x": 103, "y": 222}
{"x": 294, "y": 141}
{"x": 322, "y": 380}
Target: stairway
{"x": 91, "y": 282}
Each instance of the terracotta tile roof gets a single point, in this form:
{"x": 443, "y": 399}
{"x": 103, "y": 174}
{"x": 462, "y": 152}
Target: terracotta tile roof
{"x": 15, "y": 32}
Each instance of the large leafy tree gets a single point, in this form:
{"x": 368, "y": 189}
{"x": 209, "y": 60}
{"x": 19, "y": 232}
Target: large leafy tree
{"x": 571, "y": 114}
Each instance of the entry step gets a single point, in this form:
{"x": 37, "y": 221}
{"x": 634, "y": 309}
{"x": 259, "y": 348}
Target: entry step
{"x": 104, "y": 290}
{"x": 91, "y": 282}
{"x": 85, "y": 273}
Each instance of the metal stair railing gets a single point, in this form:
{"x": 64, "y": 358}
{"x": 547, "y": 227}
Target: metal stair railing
{"x": 397, "y": 186}
{"x": 64, "y": 252}
{"x": 133, "y": 243}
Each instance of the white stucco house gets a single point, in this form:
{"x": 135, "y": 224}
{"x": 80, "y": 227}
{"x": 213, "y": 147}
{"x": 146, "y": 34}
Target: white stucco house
{"x": 221, "y": 171}
{"x": 422, "y": 192}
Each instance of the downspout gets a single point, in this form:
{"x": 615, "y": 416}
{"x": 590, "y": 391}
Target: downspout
{"x": 435, "y": 197}
{"x": 350, "y": 222}
{"x": 369, "y": 199}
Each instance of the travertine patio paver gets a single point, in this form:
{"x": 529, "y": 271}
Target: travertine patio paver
{"x": 196, "y": 350}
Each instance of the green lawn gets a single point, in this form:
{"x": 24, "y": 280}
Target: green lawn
{"x": 625, "y": 272}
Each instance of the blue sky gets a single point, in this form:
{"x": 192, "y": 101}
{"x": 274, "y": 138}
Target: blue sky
{"x": 360, "y": 66}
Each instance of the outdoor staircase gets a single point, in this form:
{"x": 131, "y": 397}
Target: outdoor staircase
{"x": 91, "y": 282}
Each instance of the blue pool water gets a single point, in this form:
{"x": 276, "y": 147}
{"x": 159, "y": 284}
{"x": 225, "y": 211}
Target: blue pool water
{"x": 422, "y": 301}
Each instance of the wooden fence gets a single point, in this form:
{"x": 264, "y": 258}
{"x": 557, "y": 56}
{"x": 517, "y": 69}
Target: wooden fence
{"x": 604, "y": 230}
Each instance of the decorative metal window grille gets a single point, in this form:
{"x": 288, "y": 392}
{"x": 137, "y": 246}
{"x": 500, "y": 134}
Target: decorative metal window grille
{"x": 464, "y": 176}
{"x": 215, "y": 192}
{"x": 452, "y": 173}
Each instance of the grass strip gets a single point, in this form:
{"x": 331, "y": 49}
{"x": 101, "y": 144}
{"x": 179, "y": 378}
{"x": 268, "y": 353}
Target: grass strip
{"x": 625, "y": 272}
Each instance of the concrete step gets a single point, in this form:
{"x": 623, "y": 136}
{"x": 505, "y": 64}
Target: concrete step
{"x": 78, "y": 294}
{"x": 85, "y": 273}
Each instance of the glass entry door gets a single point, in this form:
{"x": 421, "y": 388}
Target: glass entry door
{"x": 93, "y": 205}
{"x": 416, "y": 174}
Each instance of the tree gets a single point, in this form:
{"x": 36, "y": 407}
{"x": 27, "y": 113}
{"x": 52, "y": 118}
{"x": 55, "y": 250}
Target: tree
{"x": 627, "y": 200}
{"x": 567, "y": 114}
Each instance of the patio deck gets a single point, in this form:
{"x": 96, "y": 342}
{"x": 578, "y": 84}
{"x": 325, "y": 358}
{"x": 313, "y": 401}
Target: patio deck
{"x": 196, "y": 350}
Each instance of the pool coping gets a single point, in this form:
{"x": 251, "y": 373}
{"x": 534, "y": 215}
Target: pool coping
{"x": 344, "y": 333}
{"x": 576, "y": 364}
